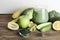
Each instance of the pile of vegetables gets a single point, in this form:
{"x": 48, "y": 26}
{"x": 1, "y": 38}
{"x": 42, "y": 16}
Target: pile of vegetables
{"x": 28, "y": 20}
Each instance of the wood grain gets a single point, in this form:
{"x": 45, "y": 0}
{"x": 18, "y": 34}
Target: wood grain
{"x": 6, "y": 34}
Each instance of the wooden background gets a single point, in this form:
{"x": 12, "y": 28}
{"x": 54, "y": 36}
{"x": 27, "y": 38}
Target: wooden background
{"x": 6, "y": 34}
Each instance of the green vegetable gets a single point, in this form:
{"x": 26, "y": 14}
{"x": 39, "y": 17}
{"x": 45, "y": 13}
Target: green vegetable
{"x": 30, "y": 24}
{"x": 23, "y": 21}
{"x": 33, "y": 28}
{"x": 24, "y": 32}
{"x": 28, "y": 12}
{"x": 40, "y": 16}
{"x": 54, "y": 16}
{"x": 44, "y": 27}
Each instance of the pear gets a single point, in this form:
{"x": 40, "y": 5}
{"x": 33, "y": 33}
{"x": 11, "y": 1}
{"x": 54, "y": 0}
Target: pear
{"x": 23, "y": 21}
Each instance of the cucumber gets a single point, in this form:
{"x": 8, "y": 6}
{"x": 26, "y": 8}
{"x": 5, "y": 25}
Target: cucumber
{"x": 44, "y": 26}
{"x": 24, "y": 33}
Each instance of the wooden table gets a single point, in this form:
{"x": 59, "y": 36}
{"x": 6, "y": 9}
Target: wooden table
{"x": 6, "y": 34}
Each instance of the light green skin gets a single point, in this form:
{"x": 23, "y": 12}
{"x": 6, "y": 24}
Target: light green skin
{"x": 30, "y": 24}
{"x": 39, "y": 16}
{"x": 46, "y": 28}
{"x": 23, "y": 22}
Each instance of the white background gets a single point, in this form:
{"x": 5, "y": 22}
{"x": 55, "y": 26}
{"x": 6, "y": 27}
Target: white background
{"x": 10, "y": 6}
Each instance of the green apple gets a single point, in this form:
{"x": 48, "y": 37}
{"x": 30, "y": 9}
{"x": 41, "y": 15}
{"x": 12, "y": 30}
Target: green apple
{"x": 23, "y": 22}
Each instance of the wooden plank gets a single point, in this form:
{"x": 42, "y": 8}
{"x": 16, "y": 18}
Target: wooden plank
{"x": 6, "y": 34}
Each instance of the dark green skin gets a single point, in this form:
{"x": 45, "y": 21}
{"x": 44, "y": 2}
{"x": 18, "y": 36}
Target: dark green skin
{"x": 24, "y": 32}
{"x": 54, "y": 16}
{"x": 26, "y": 11}
{"x": 39, "y": 17}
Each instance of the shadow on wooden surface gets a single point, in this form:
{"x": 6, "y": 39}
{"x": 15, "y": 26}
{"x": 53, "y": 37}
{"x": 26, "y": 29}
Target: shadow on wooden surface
{"x": 6, "y": 34}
